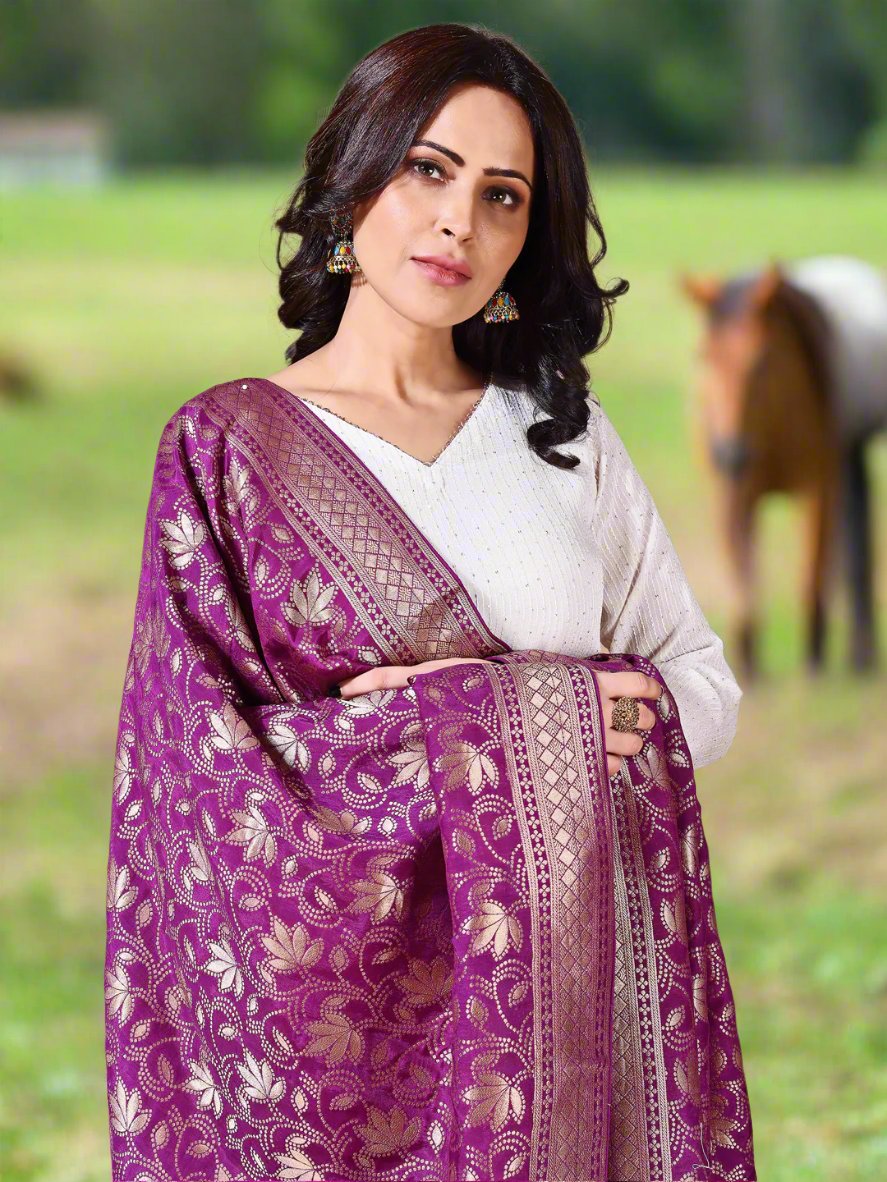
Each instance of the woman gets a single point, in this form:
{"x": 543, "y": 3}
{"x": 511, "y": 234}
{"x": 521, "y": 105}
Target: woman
{"x": 392, "y": 895}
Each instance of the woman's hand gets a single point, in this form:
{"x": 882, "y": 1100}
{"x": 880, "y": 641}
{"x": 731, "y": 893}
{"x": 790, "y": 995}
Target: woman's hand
{"x": 628, "y": 683}
{"x": 395, "y": 676}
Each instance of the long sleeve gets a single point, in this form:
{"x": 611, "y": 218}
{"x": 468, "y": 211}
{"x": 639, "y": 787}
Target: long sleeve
{"x": 648, "y": 605}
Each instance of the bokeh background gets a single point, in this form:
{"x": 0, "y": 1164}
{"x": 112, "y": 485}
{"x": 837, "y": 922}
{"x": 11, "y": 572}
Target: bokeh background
{"x": 144, "y": 150}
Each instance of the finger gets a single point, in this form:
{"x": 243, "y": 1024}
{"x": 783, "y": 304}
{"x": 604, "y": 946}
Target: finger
{"x": 614, "y": 764}
{"x": 382, "y": 677}
{"x": 646, "y": 718}
{"x": 624, "y": 742}
{"x": 629, "y": 683}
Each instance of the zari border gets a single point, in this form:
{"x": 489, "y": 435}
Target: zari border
{"x": 642, "y": 1058}
{"x": 564, "y": 814}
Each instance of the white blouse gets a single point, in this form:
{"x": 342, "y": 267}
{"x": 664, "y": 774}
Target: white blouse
{"x": 574, "y": 561}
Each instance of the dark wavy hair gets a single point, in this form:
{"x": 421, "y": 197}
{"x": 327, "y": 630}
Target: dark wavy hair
{"x": 393, "y": 92}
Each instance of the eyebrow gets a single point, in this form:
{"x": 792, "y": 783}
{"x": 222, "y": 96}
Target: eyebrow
{"x": 457, "y": 159}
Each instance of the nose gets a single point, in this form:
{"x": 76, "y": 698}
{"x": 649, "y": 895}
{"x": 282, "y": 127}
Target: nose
{"x": 730, "y": 455}
{"x": 457, "y": 212}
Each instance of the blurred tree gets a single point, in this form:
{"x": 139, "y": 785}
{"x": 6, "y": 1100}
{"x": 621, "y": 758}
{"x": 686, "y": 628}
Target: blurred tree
{"x": 179, "y": 78}
{"x": 645, "y": 80}
{"x": 223, "y": 81}
{"x": 808, "y": 95}
{"x": 44, "y": 53}
{"x": 864, "y": 23}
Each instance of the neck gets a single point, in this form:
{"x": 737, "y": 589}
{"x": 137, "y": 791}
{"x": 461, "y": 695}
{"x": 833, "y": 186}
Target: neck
{"x": 410, "y": 362}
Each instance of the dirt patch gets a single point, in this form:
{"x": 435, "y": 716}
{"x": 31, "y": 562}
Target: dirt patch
{"x": 62, "y": 663}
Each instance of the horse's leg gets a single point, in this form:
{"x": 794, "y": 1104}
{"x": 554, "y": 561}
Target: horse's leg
{"x": 819, "y": 508}
{"x": 740, "y": 535}
{"x": 856, "y": 520}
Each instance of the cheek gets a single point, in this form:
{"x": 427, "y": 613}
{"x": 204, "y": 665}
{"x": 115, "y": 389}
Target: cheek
{"x": 505, "y": 236}
{"x": 393, "y": 218}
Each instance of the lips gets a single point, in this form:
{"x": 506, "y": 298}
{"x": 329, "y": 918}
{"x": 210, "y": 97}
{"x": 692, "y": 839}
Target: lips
{"x": 445, "y": 263}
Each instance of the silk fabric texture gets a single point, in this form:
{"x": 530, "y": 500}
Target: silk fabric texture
{"x": 418, "y": 934}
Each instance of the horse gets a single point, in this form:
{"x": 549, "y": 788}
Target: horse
{"x": 792, "y": 388}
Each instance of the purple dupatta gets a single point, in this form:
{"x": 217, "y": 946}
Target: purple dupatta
{"x": 415, "y": 936}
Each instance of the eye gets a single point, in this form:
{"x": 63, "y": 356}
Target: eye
{"x": 417, "y": 164}
{"x": 430, "y": 163}
{"x": 515, "y": 199}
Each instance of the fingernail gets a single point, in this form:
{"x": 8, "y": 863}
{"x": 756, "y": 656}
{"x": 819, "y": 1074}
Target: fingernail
{"x": 410, "y": 680}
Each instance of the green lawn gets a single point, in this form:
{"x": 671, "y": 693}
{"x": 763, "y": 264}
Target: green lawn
{"x": 128, "y": 302}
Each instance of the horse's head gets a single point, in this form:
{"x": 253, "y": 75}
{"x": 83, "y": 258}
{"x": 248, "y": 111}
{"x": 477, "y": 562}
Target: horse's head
{"x": 732, "y": 357}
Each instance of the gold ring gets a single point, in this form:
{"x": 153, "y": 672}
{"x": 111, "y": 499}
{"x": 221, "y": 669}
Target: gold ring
{"x": 626, "y": 712}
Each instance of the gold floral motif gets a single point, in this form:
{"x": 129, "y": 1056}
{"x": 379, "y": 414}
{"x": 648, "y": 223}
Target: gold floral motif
{"x": 388, "y": 1132}
{"x": 493, "y": 925}
{"x": 202, "y": 1082}
{"x": 379, "y": 893}
{"x": 225, "y": 966}
{"x": 493, "y": 1099}
{"x": 253, "y": 832}
{"x": 428, "y": 984}
{"x": 296, "y": 1164}
{"x": 182, "y": 539}
{"x": 117, "y": 993}
{"x": 259, "y": 1082}
{"x": 291, "y": 948}
{"x": 126, "y": 1114}
{"x": 309, "y": 602}
{"x": 334, "y": 1038}
{"x": 464, "y": 762}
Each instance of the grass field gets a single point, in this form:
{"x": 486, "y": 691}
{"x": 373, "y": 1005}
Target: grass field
{"x": 129, "y": 301}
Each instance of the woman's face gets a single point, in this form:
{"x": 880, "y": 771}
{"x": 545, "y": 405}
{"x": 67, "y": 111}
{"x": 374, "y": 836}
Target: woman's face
{"x": 467, "y": 199}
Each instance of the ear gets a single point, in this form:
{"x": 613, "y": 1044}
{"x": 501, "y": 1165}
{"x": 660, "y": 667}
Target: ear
{"x": 701, "y": 290}
{"x": 766, "y": 285}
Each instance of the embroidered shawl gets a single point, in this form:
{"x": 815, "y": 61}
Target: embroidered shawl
{"x": 415, "y": 935}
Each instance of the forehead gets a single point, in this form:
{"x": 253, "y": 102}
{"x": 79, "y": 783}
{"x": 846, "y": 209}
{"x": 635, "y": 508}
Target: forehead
{"x": 485, "y": 126}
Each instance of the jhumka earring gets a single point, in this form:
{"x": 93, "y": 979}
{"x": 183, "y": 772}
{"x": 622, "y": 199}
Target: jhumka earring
{"x": 500, "y": 306}
{"x": 342, "y": 259}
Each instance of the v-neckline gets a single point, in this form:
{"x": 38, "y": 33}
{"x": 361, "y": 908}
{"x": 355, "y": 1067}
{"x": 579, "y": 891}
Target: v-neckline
{"x": 364, "y": 472}
{"x": 433, "y": 462}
